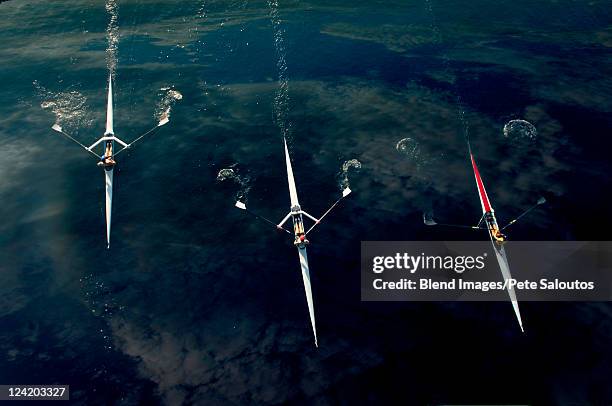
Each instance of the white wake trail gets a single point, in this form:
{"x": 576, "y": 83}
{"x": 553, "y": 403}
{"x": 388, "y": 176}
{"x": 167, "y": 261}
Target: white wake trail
{"x": 281, "y": 99}
{"x": 112, "y": 36}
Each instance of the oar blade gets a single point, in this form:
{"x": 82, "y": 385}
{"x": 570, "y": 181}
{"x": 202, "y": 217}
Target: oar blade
{"x": 428, "y": 219}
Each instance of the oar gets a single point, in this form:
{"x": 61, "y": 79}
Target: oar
{"x": 540, "y": 201}
{"x": 242, "y": 206}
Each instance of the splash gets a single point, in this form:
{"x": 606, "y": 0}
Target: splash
{"x": 69, "y": 108}
{"x": 424, "y": 162}
{"x": 168, "y": 98}
{"x": 225, "y": 174}
{"x": 519, "y": 130}
{"x": 229, "y": 174}
{"x": 352, "y": 165}
{"x": 281, "y": 99}
{"x": 428, "y": 218}
{"x": 112, "y": 35}
{"x": 409, "y": 148}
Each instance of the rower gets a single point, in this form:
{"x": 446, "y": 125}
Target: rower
{"x": 107, "y": 160}
{"x": 301, "y": 241}
{"x": 298, "y": 228}
{"x": 497, "y": 235}
{"x": 494, "y": 228}
{"x": 300, "y": 237}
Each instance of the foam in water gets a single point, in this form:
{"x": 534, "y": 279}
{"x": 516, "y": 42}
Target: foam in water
{"x": 69, "y": 108}
{"x": 518, "y": 130}
{"x": 281, "y": 99}
{"x": 229, "y": 174}
{"x": 408, "y": 147}
{"x": 169, "y": 97}
{"x": 424, "y": 163}
{"x": 352, "y": 165}
{"x": 112, "y": 35}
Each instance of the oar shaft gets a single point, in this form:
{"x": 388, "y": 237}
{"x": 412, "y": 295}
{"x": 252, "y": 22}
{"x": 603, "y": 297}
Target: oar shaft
{"x": 520, "y": 216}
{"x": 267, "y": 221}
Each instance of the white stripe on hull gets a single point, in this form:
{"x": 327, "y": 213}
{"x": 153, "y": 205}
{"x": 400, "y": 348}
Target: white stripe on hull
{"x": 308, "y": 289}
{"x": 502, "y": 260}
{"x": 292, "y": 189}
{"x": 109, "y": 107}
{"x": 108, "y": 175}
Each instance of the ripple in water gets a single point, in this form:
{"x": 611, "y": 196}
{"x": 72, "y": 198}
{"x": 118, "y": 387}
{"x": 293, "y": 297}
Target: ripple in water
{"x": 69, "y": 108}
{"x": 351, "y": 165}
{"x": 229, "y": 174}
{"x": 518, "y": 130}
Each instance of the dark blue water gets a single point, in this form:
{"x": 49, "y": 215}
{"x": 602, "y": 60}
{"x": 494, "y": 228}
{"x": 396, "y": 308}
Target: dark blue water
{"x": 197, "y": 304}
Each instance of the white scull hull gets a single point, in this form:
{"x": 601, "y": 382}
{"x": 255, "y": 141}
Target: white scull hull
{"x": 502, "y": 260}
{"x": 308, "y": 289}
{"x": 500, "y": 253}
{"x": 108, "y": 177}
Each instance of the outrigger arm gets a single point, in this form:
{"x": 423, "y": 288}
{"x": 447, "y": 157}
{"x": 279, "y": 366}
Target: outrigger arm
{"x": 284, "y": 220}
{"x": 105, "y": 138}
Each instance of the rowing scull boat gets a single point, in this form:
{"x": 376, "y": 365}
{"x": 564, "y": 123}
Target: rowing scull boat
{"x": 299, "y": 233}
{"x": 106, "y": 159}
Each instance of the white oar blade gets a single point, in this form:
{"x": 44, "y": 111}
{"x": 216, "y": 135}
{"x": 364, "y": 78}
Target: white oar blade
{"x": 541, "y": 200}
{"x": 308, "y": 290}
{"x": 346, "y": 192}
{"x": 240, "y": 205}
{"x": 57, "y": 127}
{"x": 163, "y": 121}
{"x": 428, "y": 219}
{"x": 108, "y": 175}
